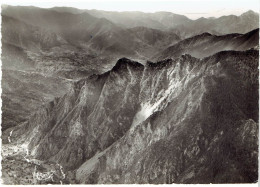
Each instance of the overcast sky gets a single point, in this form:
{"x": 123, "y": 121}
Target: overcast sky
{"x": 190, "y": 8}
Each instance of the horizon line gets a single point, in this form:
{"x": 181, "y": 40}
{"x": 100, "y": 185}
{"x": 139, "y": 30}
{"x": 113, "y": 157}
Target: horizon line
{"x": 3, "y": 6}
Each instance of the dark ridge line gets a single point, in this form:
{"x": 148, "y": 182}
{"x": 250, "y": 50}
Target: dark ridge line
{"x": 205, "y": 34}
{"x": 220, "y": 54}
{"x": 122, "y": 62}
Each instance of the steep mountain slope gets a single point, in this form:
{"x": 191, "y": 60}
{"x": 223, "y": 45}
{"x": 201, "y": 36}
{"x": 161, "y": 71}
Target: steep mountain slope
{"x": 19, "y": 39}
{"x": 14, "y": 57}
{"x": 70, "y": 26}
{"x": 184, "y": 121}
{"x": 156, "y": 38}
{"x": 28, "y": 36}
{"x": 24, "y": 92}
{"x": 76, "y": 29}
{"x": 207, "y": 44}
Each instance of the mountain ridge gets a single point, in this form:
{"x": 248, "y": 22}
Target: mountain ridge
{"x": 158, "y": 94}
{"x": 99, "y": 97}
{"x": 207, "y": 44}
{"x": 154, "y": 20}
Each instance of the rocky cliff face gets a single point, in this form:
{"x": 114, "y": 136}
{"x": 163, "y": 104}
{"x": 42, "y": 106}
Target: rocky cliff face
{"x": 175, "y": 121}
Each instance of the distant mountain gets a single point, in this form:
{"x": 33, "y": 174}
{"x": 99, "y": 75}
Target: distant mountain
{"x": 176, "y": 121}
{"x": 124, "y": 19}
{"x": 41, "y": 32}
{"x": 179, "y": 23}
{"x": 154, "y": 37}
{"x": 29, "y": 47}
{"x": 223, "y": 25}
{"x": 68, "y": 10}
{"x": 74, "y": 28}
{"x": 27, "y": 36}
{"x": 104, "y": 31}
{"x": 206, "y": 44}
{"x": 158, "y": 20}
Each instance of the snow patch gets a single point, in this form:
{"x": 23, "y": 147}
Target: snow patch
{"x": 76, "y": 129}
{"x": 147, "y": 109}
{"x": 9, "y": 137}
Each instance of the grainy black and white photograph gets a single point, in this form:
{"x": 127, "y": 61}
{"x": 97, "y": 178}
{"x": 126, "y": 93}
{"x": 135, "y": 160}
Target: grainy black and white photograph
{"x": 129, "y": 92}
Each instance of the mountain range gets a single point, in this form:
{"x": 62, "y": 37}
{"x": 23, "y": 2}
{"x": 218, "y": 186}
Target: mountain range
{"x": 92, "y": 96}
{"x": 167, "y": 20}
{"x": 167, "y": 123}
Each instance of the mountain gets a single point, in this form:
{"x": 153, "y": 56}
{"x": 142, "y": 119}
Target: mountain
{"x": 158, "y": 20}
{"x": 154, "y": 37}
{"x": 58, "y": 44}
{"x": 223, "y": 25}
{"x": 28, "y": 36}
{"x": 72, "y": 45}
{"x": 85, "y": 30}
{"x": 180, "y": 24}
{"x": 24, "y": 92}
{"x": 75, "y": 29}
{"x": 38, "y": 46}
{"x": 15, "y": 57}
{"x": 206, "y": 44}
{"x": 185, "y": 120}
{"x": 103, "y": 33}
{"x": 35, "y": 60}
{"x": 77, "y": 110}
{"x": 20, "y": 38}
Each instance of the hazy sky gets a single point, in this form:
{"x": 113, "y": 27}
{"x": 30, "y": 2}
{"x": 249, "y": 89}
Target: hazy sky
{"x": 191, "y": 8}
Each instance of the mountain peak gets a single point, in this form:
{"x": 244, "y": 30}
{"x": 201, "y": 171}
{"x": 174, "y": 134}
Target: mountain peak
{"x": 160, "y": 64}
{"x": 205, "y": 34}
{"x": 249, "y": 12}
{"x": 123, "y": 62}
